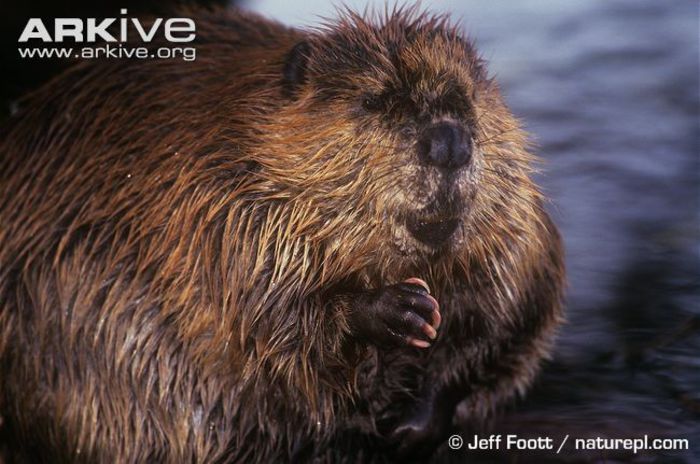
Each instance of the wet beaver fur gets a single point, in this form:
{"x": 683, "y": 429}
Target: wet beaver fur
{"x": 248, "y": 257}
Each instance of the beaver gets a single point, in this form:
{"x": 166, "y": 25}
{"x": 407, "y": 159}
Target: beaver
{"x": 320, "y": 245}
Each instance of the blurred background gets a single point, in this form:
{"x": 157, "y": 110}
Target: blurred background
{"x": 609, "y": 90}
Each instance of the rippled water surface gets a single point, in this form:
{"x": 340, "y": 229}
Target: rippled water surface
{"x": 609, "y": 90}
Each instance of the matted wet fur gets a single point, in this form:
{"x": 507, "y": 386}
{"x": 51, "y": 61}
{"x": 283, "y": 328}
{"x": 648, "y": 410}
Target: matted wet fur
{"x": 203, "y": 261}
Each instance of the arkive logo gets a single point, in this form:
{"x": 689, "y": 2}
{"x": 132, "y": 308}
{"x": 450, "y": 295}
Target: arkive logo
{"x": 175, "y": 30}
{"x": 108, "y": 38}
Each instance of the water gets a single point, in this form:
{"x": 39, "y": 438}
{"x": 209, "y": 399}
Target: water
{"x": 609, "y": 90}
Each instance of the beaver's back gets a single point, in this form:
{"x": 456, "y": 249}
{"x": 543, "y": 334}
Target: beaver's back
{"x": 106, "y": 174}
{"x": 110, "y": 136}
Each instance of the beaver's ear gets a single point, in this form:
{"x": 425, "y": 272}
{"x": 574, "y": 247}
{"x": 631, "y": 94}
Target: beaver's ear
{"x": 294, "y": 72}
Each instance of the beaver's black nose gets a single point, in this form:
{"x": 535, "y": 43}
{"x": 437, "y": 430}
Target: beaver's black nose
{"x": 445, "y": 145}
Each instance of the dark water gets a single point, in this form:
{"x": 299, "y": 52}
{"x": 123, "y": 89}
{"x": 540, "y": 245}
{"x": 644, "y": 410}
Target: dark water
{"x": 609, "y": 89}
{"x": 612, "y": 95}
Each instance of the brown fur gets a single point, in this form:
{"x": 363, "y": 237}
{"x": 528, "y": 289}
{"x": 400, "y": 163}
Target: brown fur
{"x": 180, "y": 244}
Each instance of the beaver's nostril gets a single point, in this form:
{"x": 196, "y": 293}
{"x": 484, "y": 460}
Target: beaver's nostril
{"x": 446, "y": 145}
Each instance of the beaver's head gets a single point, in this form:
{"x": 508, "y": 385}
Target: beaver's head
{"x": 402, "y": 106}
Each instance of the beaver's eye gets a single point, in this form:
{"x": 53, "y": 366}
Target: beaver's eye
{"x": 372, "y": 102}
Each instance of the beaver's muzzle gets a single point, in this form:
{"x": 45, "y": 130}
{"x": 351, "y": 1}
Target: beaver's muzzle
{"x": 446, "y": 145}
{"x": 432, "y": 232}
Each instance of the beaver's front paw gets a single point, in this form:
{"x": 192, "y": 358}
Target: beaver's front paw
{"x": 401, "y": 314}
